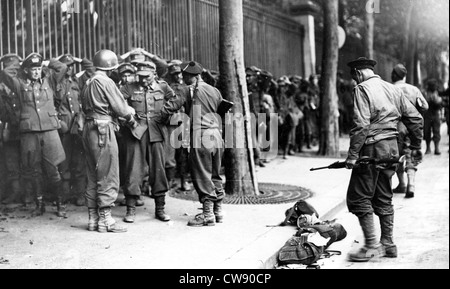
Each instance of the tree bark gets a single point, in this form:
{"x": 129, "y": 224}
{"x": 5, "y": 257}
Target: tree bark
{"x": 369, "y": 34}
{"x": 329, "y": 143}
{"x": 239, "y": 164}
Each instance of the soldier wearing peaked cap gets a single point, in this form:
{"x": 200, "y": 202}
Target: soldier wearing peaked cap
{"x": 145, "y": 143}
{"x": 177, "y": 158}
{"x": 378, "y": 108}
{"x": 41, "y": 148}
{"x": 202, "y": 102}
{"x": 9, "y": 137}
{"x": 68, "y": 106}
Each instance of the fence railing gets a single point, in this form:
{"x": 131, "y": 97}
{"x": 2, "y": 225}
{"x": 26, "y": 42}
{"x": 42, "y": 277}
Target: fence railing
{"x": 172, "y": 29}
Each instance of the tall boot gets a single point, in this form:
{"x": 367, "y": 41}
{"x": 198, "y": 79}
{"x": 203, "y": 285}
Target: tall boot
{"x": 371, "y": 247}
{"x": 411, "y": 184}
{"x": 437, "y": 151}
{"x": 40, "y": 207}
{"x": 428, "y": 151}
{"x": 206, "y": 218}
{"x": 59, "y": 192}
{"x": 93, "y": 219}
{"x": 160, "y": 202}
{"x": 107, "y": 224}
{"x": 218, "y": 213}
{"x": 387, "y": 236}
{"x": 131, "y": 210}
{"x": 401, "y": 188}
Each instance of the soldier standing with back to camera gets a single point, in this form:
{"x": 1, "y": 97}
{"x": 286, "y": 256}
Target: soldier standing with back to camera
{"x": 145, "y": 143}
{"x": 378, "y": 108}
{"x": 40, "y": 146}
{"x": 418, "y": 100}
{"x": 68, "y": 106}
{"x": 102, "y": 103}
{"x": 202, "y": 103}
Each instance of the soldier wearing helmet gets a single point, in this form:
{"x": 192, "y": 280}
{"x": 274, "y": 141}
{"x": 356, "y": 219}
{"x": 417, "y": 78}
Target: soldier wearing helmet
{"x": 40, "y": 146}
{"x": 102, "y": 103}
{"x": 145, "y": 144}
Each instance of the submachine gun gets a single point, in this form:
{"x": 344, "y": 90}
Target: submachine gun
{"x": 364, "y": 161}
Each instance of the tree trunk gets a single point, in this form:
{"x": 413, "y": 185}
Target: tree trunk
{"x": 329, "y": 143}
{"x": 411, "y": 49}
{"x": 369, "y": 34}
{"x": 239, "y": 164}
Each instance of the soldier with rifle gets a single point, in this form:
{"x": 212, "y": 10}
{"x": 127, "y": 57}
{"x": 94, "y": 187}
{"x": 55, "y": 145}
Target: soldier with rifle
{"x": 378, "y": 107}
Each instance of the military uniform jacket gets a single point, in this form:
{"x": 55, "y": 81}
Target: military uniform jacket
{"x": 10, "y": 110}
{"x": 38, "y": 112}
{"x": 148, "y": 102}
{"x": 378, "y": 107}
{"x": 102, "y": 100}
{"x": 67, "y": 100}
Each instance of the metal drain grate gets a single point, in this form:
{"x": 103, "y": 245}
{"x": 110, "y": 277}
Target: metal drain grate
{"x": 270, "y": 194}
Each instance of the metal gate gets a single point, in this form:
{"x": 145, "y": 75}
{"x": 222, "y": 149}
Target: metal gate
{"x": 172, "y": 29}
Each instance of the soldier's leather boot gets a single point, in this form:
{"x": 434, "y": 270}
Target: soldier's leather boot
{"x": 206, "y": 218}
{"x": 387, "y": 236}
{"x": 140, "y": 202}
{"x": 130, "y": 217}
{"x": 218, "y": 212}
{"x": 160, "y": 202}
{"x": 60, "y": 208}
{"x": 411, "y": 184}
{"x": 93, "y": 219}
{"x": 40, "y": 207}
{"x": 437, "y": 151}
{"x": 107, "y": 224}
{"x": 428, "y": 151}
{"x": 371, "y": 248}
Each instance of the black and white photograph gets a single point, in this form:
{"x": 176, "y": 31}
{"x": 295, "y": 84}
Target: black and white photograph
{"x": 229, "y": 141}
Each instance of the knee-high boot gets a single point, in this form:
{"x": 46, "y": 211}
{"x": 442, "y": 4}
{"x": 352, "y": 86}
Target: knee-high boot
{"x": 372, "y": 248}
{"x": 387, "y": 236}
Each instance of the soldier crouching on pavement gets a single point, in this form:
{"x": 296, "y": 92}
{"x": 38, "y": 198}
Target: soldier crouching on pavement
{"x": 145, "y": 144}
{"x": 378, "y": 108}
{"x": 102, "y": 101}
{"x": 9, "y": 136}
{"x": 40, "y": 146}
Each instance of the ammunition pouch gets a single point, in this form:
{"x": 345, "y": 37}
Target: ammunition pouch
{"x": 103, "y": 129}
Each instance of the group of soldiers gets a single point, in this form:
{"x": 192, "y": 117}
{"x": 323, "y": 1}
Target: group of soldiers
{"x": 83, "y": 137}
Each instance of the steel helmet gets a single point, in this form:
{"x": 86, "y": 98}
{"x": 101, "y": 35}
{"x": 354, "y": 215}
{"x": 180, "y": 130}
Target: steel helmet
{"x": 106, "y": 60}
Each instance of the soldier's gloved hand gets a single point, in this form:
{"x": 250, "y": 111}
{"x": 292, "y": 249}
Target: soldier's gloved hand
{"x": 350, "y": 163}
{"x": 131, "y": 121}
{"x": 416, "y": 156}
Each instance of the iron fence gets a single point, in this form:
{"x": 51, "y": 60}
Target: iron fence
{"x": 172, "y": 29}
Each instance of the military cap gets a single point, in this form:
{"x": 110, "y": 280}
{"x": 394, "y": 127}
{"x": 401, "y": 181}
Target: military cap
{"x": 266, "y": 74}
{"x": 362, "y": 63}
{"x": 145, "y": 68}
{"x": 284, "y": 80}
{"x": 136, "y": 58}
{"x": 252, "y": 70}
{"x": 192, "y": 67}
{"x": 126, "y": 67}
{"x": 10, "y": 59}
{"x": 32, "y": 60}
{"x": 67, "y": 59}
{"x": 173, "y": 69}
{"x": 400, "y": 70}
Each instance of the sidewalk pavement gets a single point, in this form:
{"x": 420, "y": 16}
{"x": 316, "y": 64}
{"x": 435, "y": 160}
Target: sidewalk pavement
{"x": 244, "y": 241}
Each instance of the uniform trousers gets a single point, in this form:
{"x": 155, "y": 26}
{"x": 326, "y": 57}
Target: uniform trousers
{"x": 370, "y": 187}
